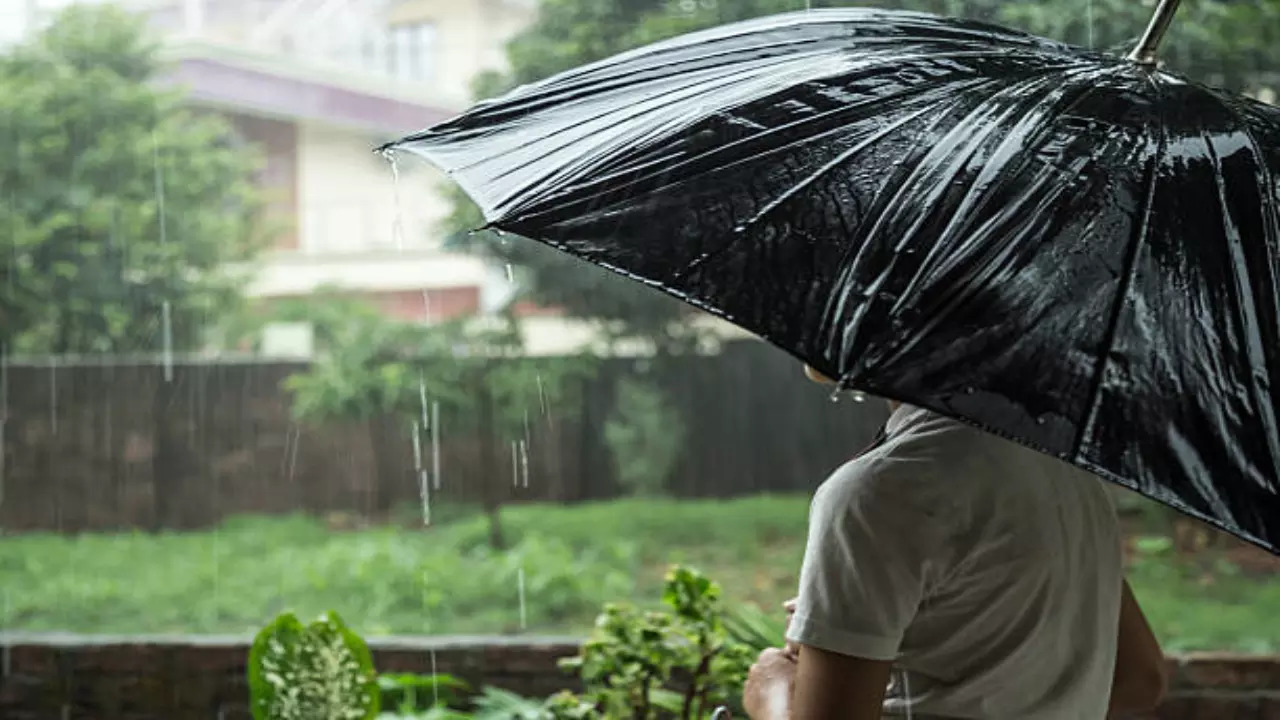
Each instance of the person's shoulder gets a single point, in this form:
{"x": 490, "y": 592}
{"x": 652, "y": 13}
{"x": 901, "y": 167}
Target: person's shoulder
{"x": 885, "y": 477}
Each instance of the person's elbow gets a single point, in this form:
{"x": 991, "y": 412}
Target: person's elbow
{"x": 1140, "y": 689}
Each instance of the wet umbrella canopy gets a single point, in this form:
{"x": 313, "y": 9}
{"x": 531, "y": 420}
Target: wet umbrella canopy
{"x": 1074, "y": 250}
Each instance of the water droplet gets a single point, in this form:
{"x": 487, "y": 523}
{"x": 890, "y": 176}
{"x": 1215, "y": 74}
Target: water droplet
{"x": 424, "y": 492}
{"x": 53, "y": 394}
{"x": 166, "y": 317}
{"x": 969, "y": 390}
{"x": 292, "y": 438}
{"x": 397, "y": 226}
{"x": 416, "y": 436}
{"x": 4, "y": 411}
{"x": 1041, "y": 420}
{"x": 435, "y": 444}
{"x": 515, "y": 465}
{"x": 511, "y": 274}
{"x": 520, "y": 589}
{"x": 859, "y": 397}
{"x": 5, "y": 660}
{"x": 524, "y": 464}
{"x": 435, "y": 681}
{"x": 542, "y": 396}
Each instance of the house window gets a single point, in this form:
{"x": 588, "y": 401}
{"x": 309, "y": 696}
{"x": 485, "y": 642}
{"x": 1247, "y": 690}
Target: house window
{"x": 412, "y": 52}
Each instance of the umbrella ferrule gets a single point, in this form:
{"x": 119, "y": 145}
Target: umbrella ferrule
{"x": 1145, "y": 51}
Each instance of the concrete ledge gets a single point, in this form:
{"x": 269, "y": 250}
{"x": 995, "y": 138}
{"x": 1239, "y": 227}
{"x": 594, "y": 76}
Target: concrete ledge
{"x": 52, "y": 676}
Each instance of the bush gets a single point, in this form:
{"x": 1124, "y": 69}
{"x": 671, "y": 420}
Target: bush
{"x": 645, "y": 665}
{"x": 646, "y": 436}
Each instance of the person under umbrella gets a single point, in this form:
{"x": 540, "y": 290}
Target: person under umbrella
{"x": 987, "y": 575}
{"x": 1065, "y": 264}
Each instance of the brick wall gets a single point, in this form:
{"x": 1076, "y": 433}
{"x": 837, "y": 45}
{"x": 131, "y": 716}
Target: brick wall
{"x": 174, "y": 678}
{"x": 68, "y": 677}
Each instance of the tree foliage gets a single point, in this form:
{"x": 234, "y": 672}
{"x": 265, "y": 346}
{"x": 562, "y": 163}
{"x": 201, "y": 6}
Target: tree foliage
{"x": 1227, "y": 42}
{"x": 119, "y": 207}
{"x": 369, "y": 365}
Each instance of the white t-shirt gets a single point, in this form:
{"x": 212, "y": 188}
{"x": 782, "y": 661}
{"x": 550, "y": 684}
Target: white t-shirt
{"x": 990, "y": 573}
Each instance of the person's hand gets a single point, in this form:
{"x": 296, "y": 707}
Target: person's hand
{"x": 790, "y": 648}
{"x": 767, "y": 695}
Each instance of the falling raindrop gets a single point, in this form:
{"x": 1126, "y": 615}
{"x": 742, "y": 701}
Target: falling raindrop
{"x": 416, "y": 436}
{"x": 217, "y": 570}
{"x": 4, "y": 412}
{"x": 524, "y": 464}
{"x": 1089, "y": 20}
{"x": 422, "y": 398}
{"x": 166, "y": 318}
{"x": 292, "y": 440}
{"x": 53, "y": 394}
{"x": 424, "y": 487}
{"x": 4, "y": 650}
{"x": 435, "y": 444}
{"x": 520, "y": 589}
{"x": 424, "y": 491}
{"x": 435, "y": 681}
{"x": 515, "y": 464}
{"x": 66, "y": 711}
{"x": 397, "y": 226}
{"x": 542, "y": 396}
{"x": 511, "y": 274}
{"x": 426, "y": 305}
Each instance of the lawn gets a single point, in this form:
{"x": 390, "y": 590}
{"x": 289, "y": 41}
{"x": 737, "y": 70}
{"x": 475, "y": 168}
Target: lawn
{"x": 565, "y": 561}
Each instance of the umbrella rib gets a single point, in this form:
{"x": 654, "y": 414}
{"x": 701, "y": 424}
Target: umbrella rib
{"x": 754, "y": 138}
{"x": 721, "y": 78}
{"x": 1128, "y": 270}
{"x": 886, "y": 211}
{"x": 630, "y": 115}
{"x": 1078, "y": 96}
{"x": 1258, "y": 365}
{"x": 836, "y": 162}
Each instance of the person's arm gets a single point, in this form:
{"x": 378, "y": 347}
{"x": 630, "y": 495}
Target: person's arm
{"x": 831, "y": 686}
{"x": 815, "y": 684}
{"x": 1138, "y": 684}
{"x": 873, "y": 533}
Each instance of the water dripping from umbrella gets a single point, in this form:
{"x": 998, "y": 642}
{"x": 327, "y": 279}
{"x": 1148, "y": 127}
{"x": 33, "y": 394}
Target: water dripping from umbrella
{"x": 397, "y": 225}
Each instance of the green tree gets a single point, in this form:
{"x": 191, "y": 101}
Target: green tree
{"x": 1230, "y": 43}
{"x": 391, "y": 375}
{"x": 120, "y": 209}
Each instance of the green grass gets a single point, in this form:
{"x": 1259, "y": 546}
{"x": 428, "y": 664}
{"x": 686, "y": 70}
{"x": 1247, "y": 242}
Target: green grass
{"x": 445, "y": 580}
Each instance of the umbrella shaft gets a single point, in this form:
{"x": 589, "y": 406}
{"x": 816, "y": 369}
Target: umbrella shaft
{"x": 1145, "y": 52}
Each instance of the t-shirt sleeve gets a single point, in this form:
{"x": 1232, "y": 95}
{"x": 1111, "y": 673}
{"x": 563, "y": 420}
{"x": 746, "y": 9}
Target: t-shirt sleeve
{"x": 871, "y": 544}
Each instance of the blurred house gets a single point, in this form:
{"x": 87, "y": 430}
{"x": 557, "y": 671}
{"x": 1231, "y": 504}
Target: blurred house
{"x": 316, "y": 85}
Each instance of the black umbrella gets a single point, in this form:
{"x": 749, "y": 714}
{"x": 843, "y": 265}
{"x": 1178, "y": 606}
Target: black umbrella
{"x": 1077, "y": 251}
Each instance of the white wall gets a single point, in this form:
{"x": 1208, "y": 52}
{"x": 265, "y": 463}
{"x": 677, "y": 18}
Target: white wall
{"x": 347, "y": 196}
{"x": 471, "y": 36}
